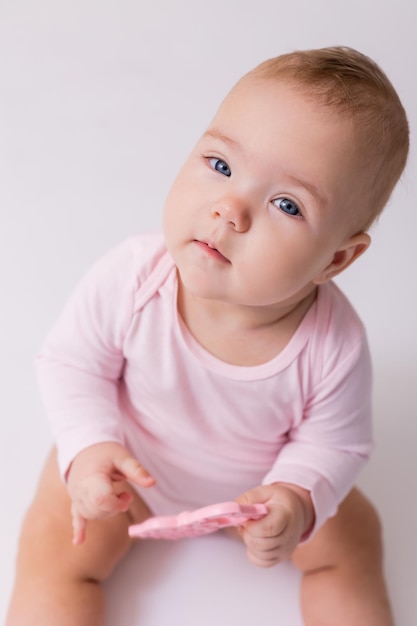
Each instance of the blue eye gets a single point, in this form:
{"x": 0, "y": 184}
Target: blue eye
{"x": 220, "y": 166}
{"x": 287, "y": 206}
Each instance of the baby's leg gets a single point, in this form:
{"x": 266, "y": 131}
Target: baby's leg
{"x": 343, "y": 580}
{"x": 57, "y": 583}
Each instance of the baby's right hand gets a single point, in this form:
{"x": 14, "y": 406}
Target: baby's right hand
{"x": 95, "y": 484}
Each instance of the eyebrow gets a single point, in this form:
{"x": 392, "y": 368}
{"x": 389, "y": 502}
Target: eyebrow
{"x": 216, "y": 134}
{"x": 300, "y": 182}
{"x": 311, "y": 188}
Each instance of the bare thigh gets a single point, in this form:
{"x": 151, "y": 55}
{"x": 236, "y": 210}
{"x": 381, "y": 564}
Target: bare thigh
{"x": 352, "y": 537}
{"x": 46, "y": 548}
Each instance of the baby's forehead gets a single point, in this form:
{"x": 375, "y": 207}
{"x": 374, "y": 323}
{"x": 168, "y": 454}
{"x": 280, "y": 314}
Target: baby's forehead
{"x": 272, "y": 91}
{"x": 266, "y": 101}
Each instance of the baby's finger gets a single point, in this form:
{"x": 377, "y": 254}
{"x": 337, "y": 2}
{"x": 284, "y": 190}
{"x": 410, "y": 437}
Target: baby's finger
{"x": 102, "y": 498}
{"x": 257, "y": 495}
{"x": 132, "y": 470}
{"x": 79, "y": 525}
{"x": 265, "y": 559}
{"x": 262, "y": 544}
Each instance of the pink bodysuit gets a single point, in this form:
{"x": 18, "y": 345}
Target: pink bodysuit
{"x": 119, "y": 365}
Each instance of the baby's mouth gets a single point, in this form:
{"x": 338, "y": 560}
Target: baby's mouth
{"x": 211, "y": 249}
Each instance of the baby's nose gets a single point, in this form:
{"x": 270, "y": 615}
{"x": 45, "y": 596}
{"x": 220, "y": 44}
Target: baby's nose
{"x": 233, "y": 211}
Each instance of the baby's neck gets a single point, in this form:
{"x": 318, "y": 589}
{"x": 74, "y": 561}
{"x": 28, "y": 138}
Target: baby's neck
{"x": 245, "y": 336}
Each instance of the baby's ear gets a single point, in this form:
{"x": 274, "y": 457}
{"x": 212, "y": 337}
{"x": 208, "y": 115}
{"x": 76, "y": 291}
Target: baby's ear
{"x": 344, "y": 256}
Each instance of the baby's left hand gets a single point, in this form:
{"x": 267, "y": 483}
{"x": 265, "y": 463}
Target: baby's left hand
{"x": 274, "y": 537}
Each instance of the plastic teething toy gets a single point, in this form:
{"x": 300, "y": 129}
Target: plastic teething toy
{"x": 199, "y": 522}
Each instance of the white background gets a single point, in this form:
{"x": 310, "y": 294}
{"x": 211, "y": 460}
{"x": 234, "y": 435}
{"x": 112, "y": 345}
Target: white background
{"x": 99, "y": 104}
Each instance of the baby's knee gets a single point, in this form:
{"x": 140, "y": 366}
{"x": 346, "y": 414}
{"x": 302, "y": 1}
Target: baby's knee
{"x": 46, "y": 550}
{"x": 353, "y": 537}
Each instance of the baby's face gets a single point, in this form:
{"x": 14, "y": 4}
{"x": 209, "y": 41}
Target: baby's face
{"x": 261, "y": 205}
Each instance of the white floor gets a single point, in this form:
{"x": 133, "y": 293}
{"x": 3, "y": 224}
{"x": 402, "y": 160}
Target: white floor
{"x": 202, "y": 581}
{"x": 99, "y": 104}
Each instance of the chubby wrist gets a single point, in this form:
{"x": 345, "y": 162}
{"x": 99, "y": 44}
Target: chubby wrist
{"x": 304, "y": 499}
{"x": 94, "y": 455}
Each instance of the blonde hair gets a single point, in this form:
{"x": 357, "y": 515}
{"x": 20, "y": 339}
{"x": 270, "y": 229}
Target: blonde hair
{"x": 353, "y": 85}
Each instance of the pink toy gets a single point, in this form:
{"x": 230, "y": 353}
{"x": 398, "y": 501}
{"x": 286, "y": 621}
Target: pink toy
{"x": 199, "y": 522}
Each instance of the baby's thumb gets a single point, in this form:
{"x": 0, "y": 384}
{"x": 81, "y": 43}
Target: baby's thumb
{"x": 133, "y": 471}
{"x": 254, "y": 496}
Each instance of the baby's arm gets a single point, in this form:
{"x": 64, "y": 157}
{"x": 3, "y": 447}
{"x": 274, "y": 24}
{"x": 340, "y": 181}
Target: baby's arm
{"x": 80, "y": 367}
{"x": 96, "y": 486}
{"x": 290, "y": 516}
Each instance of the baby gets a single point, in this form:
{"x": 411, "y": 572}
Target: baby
{"x": 218, "y": 361}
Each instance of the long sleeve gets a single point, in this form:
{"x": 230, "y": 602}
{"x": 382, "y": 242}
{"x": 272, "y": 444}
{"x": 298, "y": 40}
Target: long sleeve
{"x": 81, "y": 360}
{"x": 329, "y": 446}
